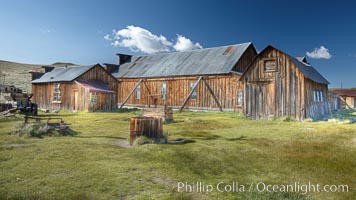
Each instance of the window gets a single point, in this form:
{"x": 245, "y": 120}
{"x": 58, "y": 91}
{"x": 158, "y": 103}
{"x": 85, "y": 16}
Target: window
{"x": 270, "y": 65}
{"x": 239, "y": 98}
{"x": 354, "y": 102}
{"x": 164, "y": 91}
{"x": 314, "y": 95}
{"x": 318, "y": 96}
{"x": 194, "y": 94}
{"x": 94, "y": 99}
{"x": 138, "y": 92}
{"x": 57, "y": 98}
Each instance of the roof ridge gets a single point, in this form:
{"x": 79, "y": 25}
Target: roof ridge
{"x": 192, "y": 50}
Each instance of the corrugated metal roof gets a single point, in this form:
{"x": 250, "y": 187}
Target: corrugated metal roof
{"x": 63, "y": 74}
{"x": 309, "y": 71}
{"x": 95, "y": 86}
{"x": 218, "y": 60}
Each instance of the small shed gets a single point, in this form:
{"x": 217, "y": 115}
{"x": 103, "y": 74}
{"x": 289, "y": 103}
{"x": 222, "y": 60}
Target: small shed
{"x": 85, "y": 88}
{"x": 342, "y": 98}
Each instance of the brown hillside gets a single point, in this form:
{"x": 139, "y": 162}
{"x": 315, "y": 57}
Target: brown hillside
{"x": 17, "y": 74}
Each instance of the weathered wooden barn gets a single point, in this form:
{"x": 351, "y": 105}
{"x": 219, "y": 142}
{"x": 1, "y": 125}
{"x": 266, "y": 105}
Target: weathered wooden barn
{"x": 265, "y": 85}
{"x": 276, "y": 84}
{"x": 199, "y": 79}
{"x": 89, "y": 88}
{"x": 342, "y": 99}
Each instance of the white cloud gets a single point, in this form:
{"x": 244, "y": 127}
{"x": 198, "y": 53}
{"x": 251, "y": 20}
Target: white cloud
{"x": 140, "y": 39}
{"x": 320, "y": 53}
{"x": 185, "y": 44}
{"x": 107, "y": 37}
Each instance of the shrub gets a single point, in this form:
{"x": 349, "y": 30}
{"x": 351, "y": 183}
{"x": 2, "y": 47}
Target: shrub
{"x": 32, "y": 130}
{"x": 40, "y": 129}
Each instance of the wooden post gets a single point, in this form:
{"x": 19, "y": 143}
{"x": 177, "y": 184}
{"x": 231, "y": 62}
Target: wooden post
{"x": 190, "y": 94}
{"x": 342, "y": 99}
{"x": 212, "y": 93}
{"x": 132, "y": 91}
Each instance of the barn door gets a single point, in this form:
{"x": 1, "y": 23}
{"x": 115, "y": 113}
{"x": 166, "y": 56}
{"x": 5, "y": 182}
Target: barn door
{"x": 75, "y": 94}
{"x": 267, "y": 100}
{"x": 270, "y": 100}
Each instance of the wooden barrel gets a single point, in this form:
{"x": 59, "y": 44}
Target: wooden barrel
{"x": 151, "y": 127}
{"x": 168, "y": 114}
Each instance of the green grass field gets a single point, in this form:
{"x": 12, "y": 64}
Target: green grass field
{"x": 224, "y": 147}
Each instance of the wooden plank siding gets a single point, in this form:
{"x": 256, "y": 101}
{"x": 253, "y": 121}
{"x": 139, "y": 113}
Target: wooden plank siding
{"x": 225, "y": 88}
{"x": 284, "y": 91}
{"x": 316, "y": 109}
{"x": 43, "y": 93}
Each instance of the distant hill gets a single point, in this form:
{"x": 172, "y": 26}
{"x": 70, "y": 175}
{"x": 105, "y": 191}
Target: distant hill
{"x": 17, "y": 74}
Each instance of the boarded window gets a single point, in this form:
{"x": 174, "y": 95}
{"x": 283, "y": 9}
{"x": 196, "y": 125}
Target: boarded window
{"x": 229, "y": 50}
{"x": 239, "y": 98}
{"x": 163, "y": 91}
{"x": 270, "y": 65}
{"x": 94, "y": 99}
{"x": 194, "y": 93}
{"x": 57, "y": 98}
{"x": 138, "y": 92}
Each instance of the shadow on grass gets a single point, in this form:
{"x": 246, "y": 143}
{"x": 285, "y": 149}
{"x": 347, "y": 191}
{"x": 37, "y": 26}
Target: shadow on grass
{"x": 242, "y": 137}
{"x": 57, "y": 115}
{"x": 125, "y": 110}
{"x": 199, "y": 135}
{"x": 180, "y": 141}
{"x": 68, "y": 132}
{"x": 110, "y": 137}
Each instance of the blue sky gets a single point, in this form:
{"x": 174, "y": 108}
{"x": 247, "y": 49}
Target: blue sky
{"x": 44, "y": 32}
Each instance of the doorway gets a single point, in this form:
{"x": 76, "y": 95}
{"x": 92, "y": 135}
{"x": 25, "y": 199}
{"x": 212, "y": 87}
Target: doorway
{"x": 266, "y": 99}
{"x": 75, "y": 94}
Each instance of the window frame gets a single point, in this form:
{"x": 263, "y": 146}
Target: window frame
{"x": 164, "y": 91}
{"x": 240, "y": 98}
{"x": 138, "y": 92}
{"x": 318, "y": 96}
{"x": 265, "y": 60}
{"x": 194, "y": 93}
{"x": 92, "y": 98}
{"x": 57, "y": 93}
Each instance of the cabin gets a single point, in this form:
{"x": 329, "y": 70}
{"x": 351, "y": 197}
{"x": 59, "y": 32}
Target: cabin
{"x": 341, "y": 99}
{"x": 84, "y": 88}
{"x": 276, "y": 84}
{"x": 197, "y": 79}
